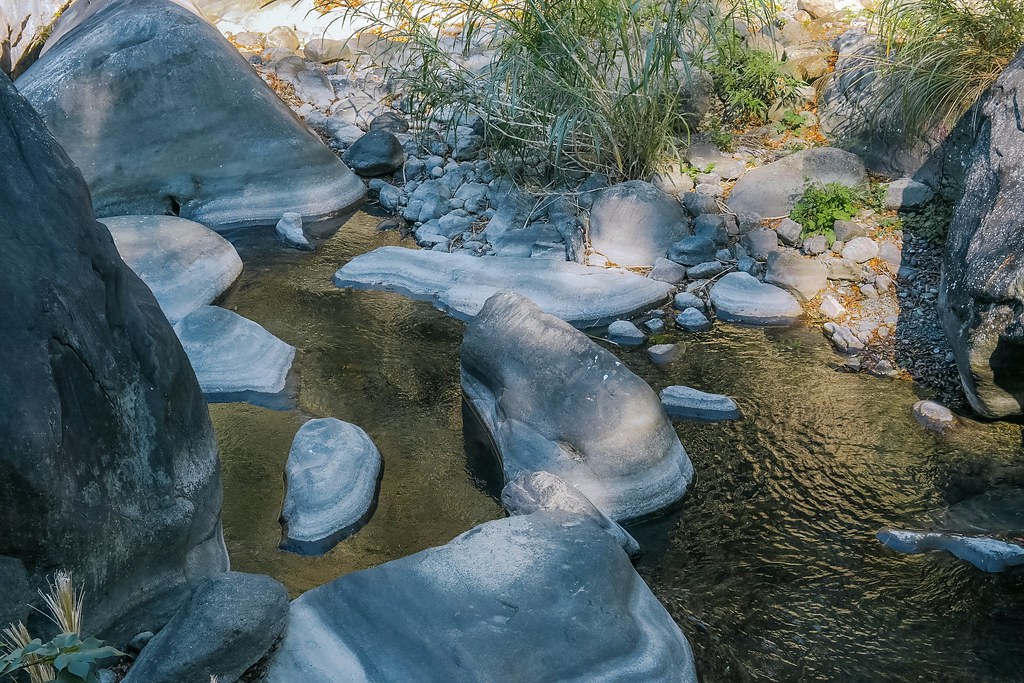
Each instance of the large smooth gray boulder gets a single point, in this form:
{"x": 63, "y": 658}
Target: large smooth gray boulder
{"x": 634, "y": 223}
{"x": 551, "y": 399}
{"x": 982, "y": 292}
{"x": 184, "y": 264}
{"x": 331, "y": 481}
{"x": 459, "y": 284}
{"x": 740, "y": 298}
{"x": 229, "y": 624}
{"x": 774, "y": 188}
{"x": 543, "y": 597}
{"x": 164, "y": 116}
{"x": 109, "y": 465}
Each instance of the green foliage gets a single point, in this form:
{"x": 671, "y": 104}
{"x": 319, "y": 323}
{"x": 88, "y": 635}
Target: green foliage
{"x": 749, "y": 82}
{"x": 929, "y": 222}
{"x": 791, "y": 120}
{"x": 821, "y": 206}
{"x": 721, "y": 138}
{"x": 941, "y": 55}
{"x": 74, "y": 660}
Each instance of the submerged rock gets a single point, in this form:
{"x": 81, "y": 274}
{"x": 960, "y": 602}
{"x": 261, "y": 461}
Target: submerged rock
{"x": 184, "y": 264}
{"x": 625, "y": 333}
{"x": 740, "y": 298}
{"x": 934, "y": 416}
{"x": 289, "y": 231}
{"x": 691, "y": 404}
{"x": 546, "y": 596}
{"x": 986, "y": 553}
{"x": 459, "y": 284}
{"x": 551, "y": 399}
{"x": 112, "y": 85}
{"x": 109, "y": 465}
{"x": 331, "y": 481}
{"x": 774, "y": 188}
{"x": 230, "y": 622}
{"x": 634, "y": 223}
{"x": 232, "y": 355}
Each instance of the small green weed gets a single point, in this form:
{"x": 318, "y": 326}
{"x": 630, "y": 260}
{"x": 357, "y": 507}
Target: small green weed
{"x": 821, "y": 206}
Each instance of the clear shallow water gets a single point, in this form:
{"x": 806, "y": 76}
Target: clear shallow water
{"x": 771, "y": 568}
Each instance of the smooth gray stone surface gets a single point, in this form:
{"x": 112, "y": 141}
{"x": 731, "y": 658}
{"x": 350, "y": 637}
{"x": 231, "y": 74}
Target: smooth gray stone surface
{"x": 109, "y": 465}
{"x": 185, "y": 265}
{"x": 625, "y": 333}
{"x": 693, "y": 320}
{"x": 986, "y": 553}
{"x": 543, "y": 597}
{"x": 552, "y": 399}
{"x": 691, "y": 404}
{"x": 231, "y": 354}
{"x": 774, "y": 188}
{"x": 378, "y": 152}
{"x": 229, "y": 623}
{"x": 634, "y": 223}
{"x": 164, "y": 116}
{"x": 331, "y": 481}
{"x": 802, "y": 277}
{"x": 459, "y": 284}
{"x": 740, "y": 298}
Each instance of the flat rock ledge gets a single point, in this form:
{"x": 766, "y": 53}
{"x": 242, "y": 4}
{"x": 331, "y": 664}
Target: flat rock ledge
{"x": 186, "y": 265}
{"x": 987, "y": 553}
{"x": 741, "y": 298}
{"x": 539, "y": 597}
{"x": 698, "y": 406}
{"x": 332, "y": 475}
{"x": 459, "y": 284}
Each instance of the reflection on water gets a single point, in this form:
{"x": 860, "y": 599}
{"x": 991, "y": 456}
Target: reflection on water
{"x": 771, "y": 568}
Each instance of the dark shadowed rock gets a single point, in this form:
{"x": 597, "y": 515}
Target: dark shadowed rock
{"x": 552, "y": 399}
{"x": 378, "y": 152}
{"x": 634, "y": 223}
{"x": 164, "y": 116}
{"x": 982, "y": 290}
{"x": 229, "y": 623}
{"x": 543, "y": 597}
{"x": 109, "y": 466}
{"x": 773, "y": 189}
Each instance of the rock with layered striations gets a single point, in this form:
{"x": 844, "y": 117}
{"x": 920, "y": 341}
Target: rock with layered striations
{"x": 543, "y": 597}
{"x": 109, "y": 465}
{"x": 740, "y": 298}
{"x": 634, "y": 223}
{"x": 692, "y": 404}
{"x": 164, "y": 116}
{"x": 982, "y": 291}
{"x": 551, "y": 399}
{"x": 459, "y": 284}
{"x": 774, "y": 188}
{"x": 184, "y": 264}
{"x": 331, "y": 479}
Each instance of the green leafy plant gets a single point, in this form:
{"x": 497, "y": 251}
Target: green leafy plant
{"x": 821, "y": 205}
{"x": 929, "y": 222}
{"x": 721, "y": 137}
{"x": 791, "y": 120}
{"x": 749, "y": 82}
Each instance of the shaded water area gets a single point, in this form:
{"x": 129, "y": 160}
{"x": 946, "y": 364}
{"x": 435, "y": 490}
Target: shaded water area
{"x": 771, "y": 567}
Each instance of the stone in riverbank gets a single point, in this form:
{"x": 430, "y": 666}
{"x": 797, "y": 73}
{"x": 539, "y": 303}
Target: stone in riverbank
{"x": 803, "y": 277}
{"x": 230, "y": 622}
{"x": 984, "y": 552}
{"x": 378, "y": 152}
{"x": 331, "y": 484}
{"x": 109, "y": 465}
{"x": 459, "y": 284}
{"x": 543, "y": 596}
{"x": 740, "y": 298}
{"x": 634, "y": 223}
{"x": 184, "y": 264}
{"x": 239, "y": 158}
{"x": 552, "y": 399}
{"x": 691, "y": 404}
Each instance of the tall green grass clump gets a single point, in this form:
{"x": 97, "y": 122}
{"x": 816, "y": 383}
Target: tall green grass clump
{"x": 941, "y": 55}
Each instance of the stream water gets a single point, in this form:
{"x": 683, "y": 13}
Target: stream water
{"x": 771, "y": 568}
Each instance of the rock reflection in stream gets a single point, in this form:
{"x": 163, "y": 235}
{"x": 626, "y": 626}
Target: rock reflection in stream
{"x": 771, "y": 567}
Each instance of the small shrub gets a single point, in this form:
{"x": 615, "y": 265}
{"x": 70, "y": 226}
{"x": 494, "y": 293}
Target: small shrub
{"x": 749, "y": 82}
{"x": 791, "y": 120}
{"x": 821, "y": 206}
{"x": 929, "y": 222}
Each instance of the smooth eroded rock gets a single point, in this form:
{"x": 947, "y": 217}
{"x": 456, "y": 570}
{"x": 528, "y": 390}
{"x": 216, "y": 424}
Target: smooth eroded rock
{"x": 634, "y": 223}
{"x": 773, "y": 189}
{"x": 740, "y": 298}
{"x": 803, "y": 277}
{"x": 691, "y": 404}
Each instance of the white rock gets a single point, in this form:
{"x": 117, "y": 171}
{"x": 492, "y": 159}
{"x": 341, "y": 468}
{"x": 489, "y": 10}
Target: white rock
{"x": 831, "y": 308}
{"x": 289, "y": 231}
{"x": 934, "y": 416}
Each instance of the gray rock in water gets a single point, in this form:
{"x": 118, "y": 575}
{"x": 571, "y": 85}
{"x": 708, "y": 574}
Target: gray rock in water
{"x": 667, "y": 271}
{"x": 239, "y": 158}
{"x": 934, "y": 416}
{"x": 331, "y": 482}
{"x": 184, "y": 264}
{"x": 625, "y": 333}
{"x": 907, "y": 193}
{"x": 460, "y": 284}
{"x": 981, "y": 297}
{"x": 633, "y": 223}
{"x": 230, "y": 622}
{"x": 740, "y": 298}
{"x": 773, "y": 189}
{"x": 289, "y": 231}
{"x": 684, "y": 300}
{"x": 663, "y": 354}
{"x": 984, "y": 552}
{"x": 378, "y": 152}
{"x": 552, "y": 399}
{"x": 691, "y": 404}
{"x": 693, "y": 320}
{"x": 539, "y": 597}
{"x": 692, "y": 250}
{"x": 233, "y": 355}
{"x": 109, "y": 464}
{"x": 533, "y": 491}
{"x": 842, "y": 338}
{"x": 802, "y": 277}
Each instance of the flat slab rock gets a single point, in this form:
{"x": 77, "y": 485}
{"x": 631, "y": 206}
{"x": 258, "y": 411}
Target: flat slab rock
{"x": 459, "y": 284}
{"x": 186, "y": 265}
{"x": 984, "y": 552}
{"x": 551, "y": 399}
{"x": 542, "y": 597}
{"x": 741, "y": 298}
{"x": 332, "y": 476}
{"x": 232, "y": 355}
{"x": 692, "y": 404}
